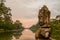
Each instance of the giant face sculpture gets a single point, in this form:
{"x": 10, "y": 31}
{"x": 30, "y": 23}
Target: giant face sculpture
{"x": 44, "y": 16}
{"x": 44, "y": 21}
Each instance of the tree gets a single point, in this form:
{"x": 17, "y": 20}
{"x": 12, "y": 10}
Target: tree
{"x": 18, "y": 25}
{"x": 35, "y": 27}
{"x": 5, "y": 16}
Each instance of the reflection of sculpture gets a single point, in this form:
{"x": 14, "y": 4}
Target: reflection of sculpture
{"x": 44, "y": 15}
{"x": 44, "y": 32}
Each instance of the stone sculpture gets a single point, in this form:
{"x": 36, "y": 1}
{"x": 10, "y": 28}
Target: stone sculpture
{"x": 44, "y": 32}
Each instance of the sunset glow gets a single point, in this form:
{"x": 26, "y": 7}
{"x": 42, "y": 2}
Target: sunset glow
{"x": 27, "y": 22}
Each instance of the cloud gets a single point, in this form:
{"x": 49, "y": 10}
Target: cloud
{"x": 28, "y": 9}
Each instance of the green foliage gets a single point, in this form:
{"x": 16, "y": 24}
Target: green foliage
{"x": 34, "y": 28}
{"x": 18, "y": 25}
{"x": 55, "y": 25}
{"x": 5, "y": 17}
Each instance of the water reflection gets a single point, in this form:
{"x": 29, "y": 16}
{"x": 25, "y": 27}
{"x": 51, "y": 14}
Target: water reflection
{"x": 6, "y": 36}
{"x": 27, "y": 35}
{"x": 24, "y": 35}
{"x": 17, "y": 34}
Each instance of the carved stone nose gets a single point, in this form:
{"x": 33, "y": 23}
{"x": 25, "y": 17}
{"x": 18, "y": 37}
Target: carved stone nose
{"x": 47, "y": 34}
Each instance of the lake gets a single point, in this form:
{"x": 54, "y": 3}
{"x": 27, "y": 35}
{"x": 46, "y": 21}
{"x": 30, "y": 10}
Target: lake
{"x": 26, "y": 34}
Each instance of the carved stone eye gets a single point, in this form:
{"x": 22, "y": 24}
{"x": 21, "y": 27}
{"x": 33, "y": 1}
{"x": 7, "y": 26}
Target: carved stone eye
{"x": 42, "y": 11}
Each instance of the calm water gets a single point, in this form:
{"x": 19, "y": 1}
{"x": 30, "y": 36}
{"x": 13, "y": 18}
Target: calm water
{"x": 24, "y": 35}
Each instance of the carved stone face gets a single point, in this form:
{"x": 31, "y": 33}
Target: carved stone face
{"x": 45, "y": 32}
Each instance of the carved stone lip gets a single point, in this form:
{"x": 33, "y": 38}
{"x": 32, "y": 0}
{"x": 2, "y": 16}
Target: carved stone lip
{"x": 45, "y": 27}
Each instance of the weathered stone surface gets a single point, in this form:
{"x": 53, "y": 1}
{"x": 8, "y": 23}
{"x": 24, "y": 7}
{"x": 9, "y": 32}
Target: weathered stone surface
{"x": 44, "y": 15}
{"x": 44, "y": 32}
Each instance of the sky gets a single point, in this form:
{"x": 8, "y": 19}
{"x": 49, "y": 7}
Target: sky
{"x": 27, "y": 10}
